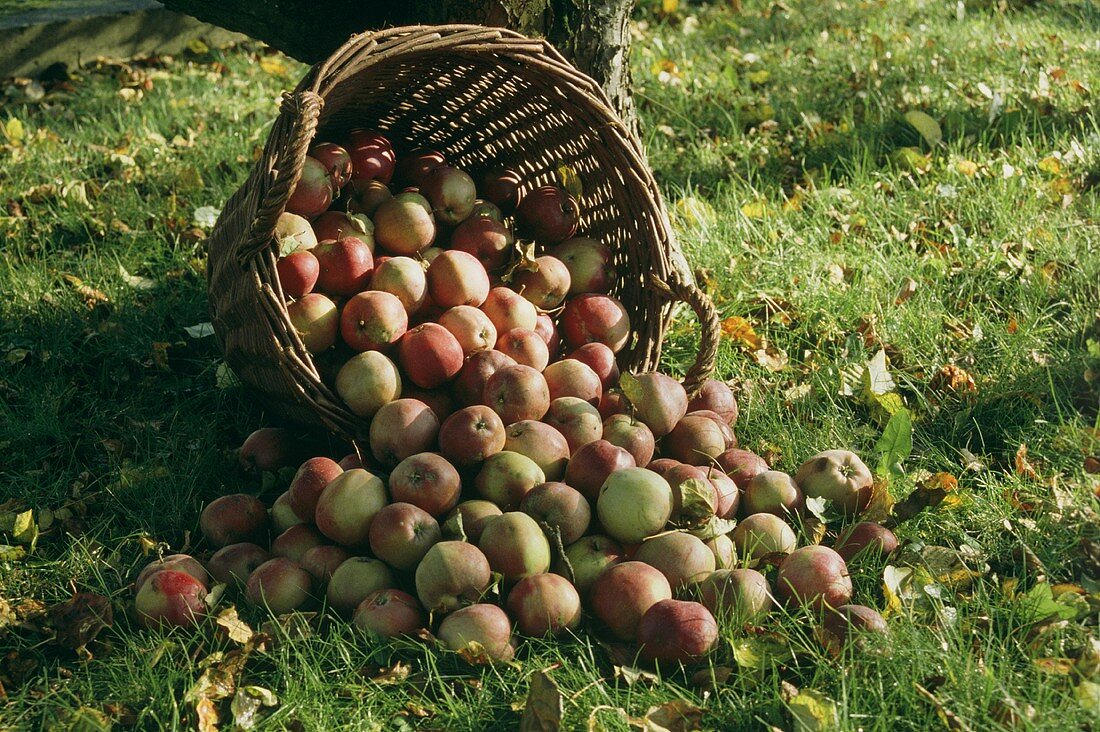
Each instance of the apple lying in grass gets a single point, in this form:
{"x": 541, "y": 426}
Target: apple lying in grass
{"x": 296, "y": 541}
{"x": 545, "y": 604}
{"x": 634, "y": 504}
{"x": 389, "y": 613}
{"x": 234, "y": 518}
{"x": 814, "y": 576}
{"x": 232, "y": 564}
{"x": 177, "y": 562}
{"x": 772, "y": 491}
{"x": 623, "y": 593}
{"x": 717, "y": 397}
{"x": 170, "y": 597}
{"x": 683, "y": 559}
{"x": 676, "y": 631}
{"x": 279, "y": 584}
{"x": 866, "y": 538}
{"x": 486, "y": 625}
{"x": 452, "y": 574}
{"x": 838, "y": 476}
{"x": 762, "y": 534}
{"x": 740, "y": 594}
{"x": 354, "y": 580}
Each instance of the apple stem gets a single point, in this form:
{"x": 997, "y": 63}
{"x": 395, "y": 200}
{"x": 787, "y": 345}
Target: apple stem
{"x": 554, "y": 534}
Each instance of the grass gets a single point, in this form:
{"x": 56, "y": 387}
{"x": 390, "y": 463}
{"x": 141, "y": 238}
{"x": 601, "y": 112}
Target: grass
{"x": 778, "y": 137}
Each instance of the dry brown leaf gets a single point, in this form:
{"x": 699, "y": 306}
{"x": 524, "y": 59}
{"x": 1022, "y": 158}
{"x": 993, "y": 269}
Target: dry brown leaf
{"x": 92, "y": 297}
{"x": 907, "y": 290}
{"x": 928, "y": 494}
{"x": 387, "y": 675}
{"x": 771, "y": 358}
{"x": 544, "y": 707}
{"x": 1024, "y": 467}
{"x": 674, "y": 716}
{"x": 953, "y": 380}
{"x": 207, "y": 713}
{"x": 235, "y": 629}
{"x": 79, "y": 620}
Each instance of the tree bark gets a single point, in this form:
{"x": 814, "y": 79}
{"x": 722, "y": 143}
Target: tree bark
{"x": 593, "y": 34}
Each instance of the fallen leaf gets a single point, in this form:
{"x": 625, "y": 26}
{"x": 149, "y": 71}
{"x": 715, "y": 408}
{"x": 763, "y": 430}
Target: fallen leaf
{"x": 907, "y": 290}
{"x": 387, "y": 675}
{"x": 14, "y": 131}
{"x": 631, "y": 675}
{"x": 273, "y": 65}
{"x": 544, "y": 708}
{"x": 136, "y": 282}
{"x": 200, "y": 330}
{"x": 674, "y": 716}
{"x": 248, "y": 705}
{"x": 771, "y": 358}
{"x": 79, "y": 620}
{"x": 967, "y": 168}
{"x": 1024, "y": 467}
{"x": 812, "y": 711}
{"x": 928, "y": 128}
{"x": 475, "y": 654}
{"x": 570, "y": 181}
{"x": 741, "y": 331}
{"x": 235, "y": 629}
{"x": 895, "y": 444}
{"x": 928, "y": 494}
{"x": 207, "y": 713}
{"x": 755, "y": 209}
{"x": 92, "y": 297}
{"x": 1088, "y": 695}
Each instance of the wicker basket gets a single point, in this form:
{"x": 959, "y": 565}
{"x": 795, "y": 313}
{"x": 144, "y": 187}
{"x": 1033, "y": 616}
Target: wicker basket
{"x": 486, "y": 98}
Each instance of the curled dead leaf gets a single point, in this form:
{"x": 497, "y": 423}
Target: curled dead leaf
{"x": 544, "y": 707}
{"x": 740, "y": 331}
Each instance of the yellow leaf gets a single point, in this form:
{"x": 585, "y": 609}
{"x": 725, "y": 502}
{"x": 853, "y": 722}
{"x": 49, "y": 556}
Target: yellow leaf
{"x": 668, "y": 7}
{"x": 695, "y": 212}
{"x": 759, "y": 77}
{"x": 738, "y": 329}
{"x": 928, "y": 128}
{"x": 1051, "y": 165}
{"x": 755, "y": 209}
{"x": 13, "y": 130}
{"x": 812, "y": 711}
{"x": 273, "y": 65}
{"x": 967, "y": 167}
{"x": 197, "y": 47}
{"x": 570, "y": 181}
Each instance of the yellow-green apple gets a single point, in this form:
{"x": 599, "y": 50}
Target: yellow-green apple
{"x": 293, "y": 232}
{"x": 471, "y": 328}
{"x": 588, "y": 557}
{"x": 634, "y": 504}
{"x": 457, "y": 278}
{"x": 404, "y": 278}
{"x": 354, "y": 580}
{"x": 838, "y": 476}
{"x": 508, "y": 309}
{"x": 578, "y": 421}
{"x": 367, "y": 381}
{"x": 589, "y": 265}
{"x": 540, "y": 442}
{"x": 474, "y": 513}
{"x": 515, "y": 546}
{"x": 451, "y": 574}
{"x": 282, "y": 515}
{"x": 683, "y": 559}
{"x": 348, "y": 505}
{"x": 742, "y": 595}
{"x": 725, "y": 553}
{"x": 761, "y": 534}
{"x": 506, "y": 477}
{"x": 316, "y": 320}
{"x": 866, "y": 537}
{"x": 772, "y": 491}
{"x": 404, "y": 224}
{"x": 545, "y": 284}
{"x": 572, "y": 378}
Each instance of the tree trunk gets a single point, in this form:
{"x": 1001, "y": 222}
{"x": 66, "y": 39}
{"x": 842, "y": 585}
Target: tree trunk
{"x": 593, "y": 34}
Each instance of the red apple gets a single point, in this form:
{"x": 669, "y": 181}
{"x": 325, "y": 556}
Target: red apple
{"x": 558, "y": 506}
{"x": 336, "y": 160}
{"x": 427, "y": 481}
{"x": 601, "y": 360}
{"x": 659, "y": 400}
{"x": 485, "y": 238}
{"x": 471, "y": 327}
{"x": 170, "y": 597}
{"x": 298, "y": 272}
{"x": 451, "y": 193}
{"x": 695, "y": 440}
{"x": 373, "y": 321}
{"x": 632, "y": 435}
{"x": 545, "y": 604}
{"x": 516, "y": 393}
{"x": 232, "y": 564}
{"x": 718, "y": 398}
{"x": 322, "y": 561}
{"x": 623, "y": 593}
{"x": 389, "y": 614}
{"x": 346, "y": 265}
{"x": 401, "y": 534}
{"x": 815, "y": 576}
{"x": 232, "y": 519}
{"x": 741, "y": 465}
{"x": 501, "y": 186}
{"x": 593, "y": 463}
{"x": 544, "y": 326}
{"x": 402, "y": 428}
{"x": 507, "y": 309}
{"x": 365, "y": 196}
{"x": 683, "y": 559}
{"x": 595, "y": 319}
{"x": 676, "y": 631}
{"x": 296, "y": 541}
{"x": 548, "y": 215}
{"x": 308, "y": 483}
{"x": 372, "y": 155}
{"x": 177, "y": 562}
{"x": 866, "y": 537}
{"x": 540, "y": 442}
{"x": 485, "y": 625}
{"x": 573, "y": 378}
{"x": 838, "y": 476}
{"x": 429, "y": 355}
{"x": 545, "y": 285}
{"x": 742, "y": 595}
{"x": 525, "y": 346}
{"x": 471, "y": 435}
{"x": 279, "y": 584}
{"x": 469, "y": 385}
{"x": 338, "y": 225}
{"x": 415, "y": 165}
{"x": 269, "y": 449}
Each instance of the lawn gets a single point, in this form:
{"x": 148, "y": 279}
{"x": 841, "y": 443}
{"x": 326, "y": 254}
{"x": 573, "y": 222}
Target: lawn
{"x": 829, "y": 224}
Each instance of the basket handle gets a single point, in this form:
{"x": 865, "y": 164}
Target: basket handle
{"x": 678, "y": 288}
{"x": 281, "y": 166}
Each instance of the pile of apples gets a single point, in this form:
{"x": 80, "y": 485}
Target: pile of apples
{"x": 503, "y": 488}
{"x": 490, "y": 532}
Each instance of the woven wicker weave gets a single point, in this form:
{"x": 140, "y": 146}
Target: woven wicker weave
{"x": 487, "y": 98}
